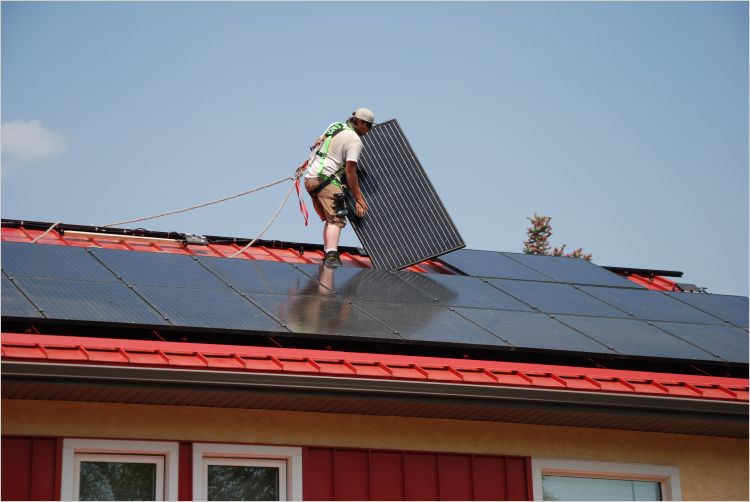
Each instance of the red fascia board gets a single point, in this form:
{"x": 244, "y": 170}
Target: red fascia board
{"x": 83, "y": 350}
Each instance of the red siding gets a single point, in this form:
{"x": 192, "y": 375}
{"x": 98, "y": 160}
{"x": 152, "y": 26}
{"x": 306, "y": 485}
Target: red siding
{"x": 351, "y": 474}
{"x": 25, "y": 459}
{"x": 185, "y": 483}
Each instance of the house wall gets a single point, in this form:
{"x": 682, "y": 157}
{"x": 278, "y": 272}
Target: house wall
{"x": 710, "y": 468}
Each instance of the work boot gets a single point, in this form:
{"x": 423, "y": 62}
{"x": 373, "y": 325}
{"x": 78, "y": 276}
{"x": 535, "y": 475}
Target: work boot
{"x": 332, "y": 259}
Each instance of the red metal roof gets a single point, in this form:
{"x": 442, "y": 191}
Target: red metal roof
{"x": 101, "y": 351}
{"x": 160, "y": 245}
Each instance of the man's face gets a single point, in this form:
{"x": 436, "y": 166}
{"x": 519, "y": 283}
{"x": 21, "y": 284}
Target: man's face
{"x": 362, "y": 127}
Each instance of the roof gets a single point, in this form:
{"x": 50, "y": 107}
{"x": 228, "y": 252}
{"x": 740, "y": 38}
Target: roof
{"x": 556, "y": 340}
{"x": 152, "y": 372}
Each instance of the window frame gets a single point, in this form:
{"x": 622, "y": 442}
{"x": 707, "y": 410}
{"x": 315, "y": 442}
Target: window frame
{"x": 105, "y": 450}
{"x": 667, "y": 475}
{"x": 287, "y": 458}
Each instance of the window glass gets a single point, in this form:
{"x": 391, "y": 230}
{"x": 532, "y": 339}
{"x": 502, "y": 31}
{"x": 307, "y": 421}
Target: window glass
{"x": 579, "y": 488}
{"x": 243, "y": 482}
{"x": 117, "y": 481}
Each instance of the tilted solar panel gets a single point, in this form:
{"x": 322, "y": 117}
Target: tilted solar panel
{"x": 406, "y": 221}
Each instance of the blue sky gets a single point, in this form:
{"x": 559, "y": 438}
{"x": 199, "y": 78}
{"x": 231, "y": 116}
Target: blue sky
{"x": 625, "y": 122}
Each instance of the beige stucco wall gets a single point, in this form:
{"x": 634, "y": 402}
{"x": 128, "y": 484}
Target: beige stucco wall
{"x": 710, "y": 468}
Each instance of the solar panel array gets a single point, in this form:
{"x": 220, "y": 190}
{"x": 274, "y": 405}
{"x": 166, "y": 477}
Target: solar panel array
{"x": 406, "y": 221}
{"x": 548, "y": 304}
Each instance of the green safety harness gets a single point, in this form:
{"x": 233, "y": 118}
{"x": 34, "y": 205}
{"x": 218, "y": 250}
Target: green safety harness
{"x": 322, "y": 152}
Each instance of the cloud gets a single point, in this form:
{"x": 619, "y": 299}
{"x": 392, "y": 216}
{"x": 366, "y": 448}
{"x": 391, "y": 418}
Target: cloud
{"x": 29, "y": 140}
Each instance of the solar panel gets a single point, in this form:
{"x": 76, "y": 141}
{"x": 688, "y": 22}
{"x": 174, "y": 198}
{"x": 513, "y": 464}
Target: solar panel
{"x": 163, "y": 269}
{"x": 635, "y": 338}
{"x": 556, "y": 298}
{"x": 732, "y": 309}
{"x": 89, "y": 301}
{"x": 406, "y": 221}
{"x": 723, "y": 341}
{"x": 490, "y": 264}
{"x": 21, "y": 259}
{"x": 322, "y": 315}
{"x": 14, "y": 303}
{"x": 572, "y": 270}
{"x": 650, "y": 305}
{"x": 259, "y": 276}
{"x": 462, "y": 291}
{"x": 366, "y": 284}
{"x": 208, "y": 308}
{"x": 532, "y": 330}
{"x": 428, "y": 323}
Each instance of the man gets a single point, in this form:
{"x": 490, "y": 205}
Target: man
{"x": 336, "y": 152}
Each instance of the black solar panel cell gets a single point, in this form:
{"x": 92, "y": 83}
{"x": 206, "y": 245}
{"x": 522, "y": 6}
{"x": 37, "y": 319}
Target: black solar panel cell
{"x": 532, "y": 330}
{"x": 89, "y": 301}
{"x": 162, "y": 269}
{"x": 406, "y": 222}
{"x": 324, "y": 315}
{"x": 207, "y": 308}
{"x": 490, "y": 264}
{"x": 733, "y": 309}
{"x": 636, "y": 338}
{"x": 572, "y": 270}
{"x": 428, "y": 323}
{"x": 21, "y": 259}
{"x": 556, "y": 298}
{"x": 258, "y": 276}
{"x": 15, "y": 304}
{"x": 650, "y": 305}
{"x": 723, "y": 341}
{"x": 462, "y": 291}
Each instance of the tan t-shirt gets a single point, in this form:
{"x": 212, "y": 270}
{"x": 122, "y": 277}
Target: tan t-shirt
{"x": 345, "y": 146}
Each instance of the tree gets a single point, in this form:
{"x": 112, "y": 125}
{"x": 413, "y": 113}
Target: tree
{"x": 538, "y": 240}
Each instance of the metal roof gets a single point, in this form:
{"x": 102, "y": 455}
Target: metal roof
{"x": 152, "y": 372}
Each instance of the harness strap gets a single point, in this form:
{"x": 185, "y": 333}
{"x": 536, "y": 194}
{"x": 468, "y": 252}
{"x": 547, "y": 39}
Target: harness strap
{"x": 322, "y": 152}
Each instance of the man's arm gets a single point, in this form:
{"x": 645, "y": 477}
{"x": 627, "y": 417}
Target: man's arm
{"x": 353, "y": 182}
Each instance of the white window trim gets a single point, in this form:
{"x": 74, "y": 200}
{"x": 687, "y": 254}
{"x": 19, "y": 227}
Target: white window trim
{"x": 667, "y": 475}
{"x": 286, "y": 456}
{"x": 109, "y": 451}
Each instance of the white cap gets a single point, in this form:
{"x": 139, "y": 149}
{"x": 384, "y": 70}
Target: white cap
{"x": 364, "y": 114}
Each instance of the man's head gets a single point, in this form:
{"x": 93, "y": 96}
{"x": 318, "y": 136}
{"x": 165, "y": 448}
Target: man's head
{"x": 362, "y": 120}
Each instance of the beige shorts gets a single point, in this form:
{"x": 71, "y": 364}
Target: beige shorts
{"x": 323, "y": 202}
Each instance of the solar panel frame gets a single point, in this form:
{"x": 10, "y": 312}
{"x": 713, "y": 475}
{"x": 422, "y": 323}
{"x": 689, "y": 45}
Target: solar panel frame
{"x": 490, "y": 264}
{"x": 406, "y": 222}
{"x": 722, "y": 341}
{"x": 21, "y": 259}
{"x": 572, "y": 270}
{"x": 323, "y": 315}
{"x": 158, "y": 269}
{"x": 729, "y": 308}
{"x": 208, "y": 308}
{"x": 634, "y": 337}
{"x": 421, "y": 323}
{"x": 15, "y": 303}
{"x": 100, "y": 302}
{"x": 650, "y": 305}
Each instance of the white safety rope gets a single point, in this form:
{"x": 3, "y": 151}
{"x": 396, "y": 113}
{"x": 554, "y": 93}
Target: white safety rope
{"x": 46, "y": 232}
{"x": 204, "y": 204}
{"x": 270, "y": 222}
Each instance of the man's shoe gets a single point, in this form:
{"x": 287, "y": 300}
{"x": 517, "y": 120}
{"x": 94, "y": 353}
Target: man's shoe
{"x": 332, "y": 259}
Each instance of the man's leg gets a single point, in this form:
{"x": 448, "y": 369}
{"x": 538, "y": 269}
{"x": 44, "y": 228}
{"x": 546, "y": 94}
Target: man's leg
{"x": 331, "y": 234}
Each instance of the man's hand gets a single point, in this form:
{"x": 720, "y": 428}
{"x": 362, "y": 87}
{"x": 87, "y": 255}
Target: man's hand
{"x": 361, "y": 207}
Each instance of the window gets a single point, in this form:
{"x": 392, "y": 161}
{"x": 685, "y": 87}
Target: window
{"x": 246, "y": 472}
{"x": 119, "y": 470}
{"x": 583, "y": 480}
